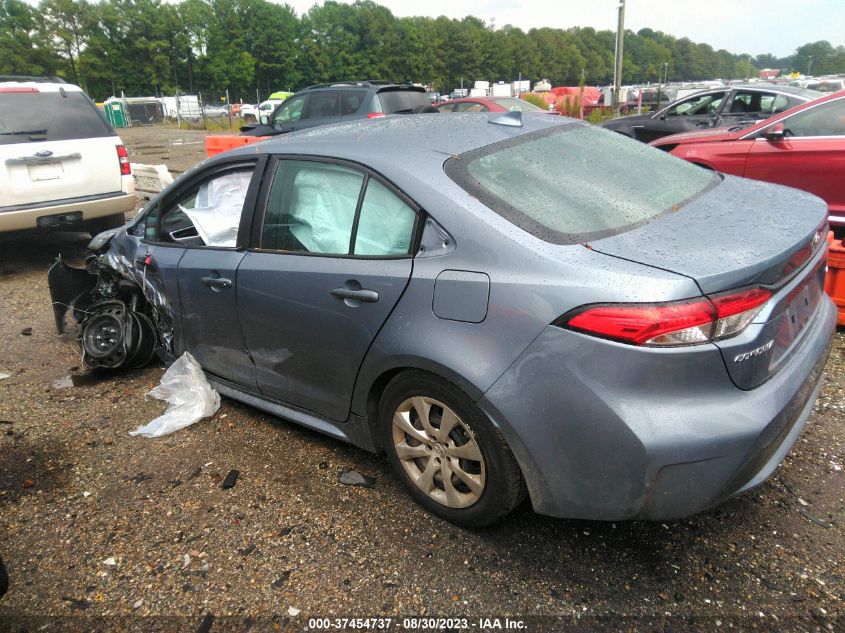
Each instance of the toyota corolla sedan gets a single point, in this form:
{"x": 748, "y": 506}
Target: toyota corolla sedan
{"x": 505, "y": 306}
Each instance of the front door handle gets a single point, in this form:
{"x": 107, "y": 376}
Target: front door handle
{"x": 367, "y": 296}
{"x": 216, "y": 283}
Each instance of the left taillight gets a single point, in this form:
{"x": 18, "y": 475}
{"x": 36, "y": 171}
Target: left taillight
{"x": 670, "y": 324}
{"x": 123, "y": 159}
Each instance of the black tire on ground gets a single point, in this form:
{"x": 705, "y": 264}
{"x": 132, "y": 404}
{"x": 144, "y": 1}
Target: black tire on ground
{"x": 98, "y": 225}
{"x": 503, "y": 488}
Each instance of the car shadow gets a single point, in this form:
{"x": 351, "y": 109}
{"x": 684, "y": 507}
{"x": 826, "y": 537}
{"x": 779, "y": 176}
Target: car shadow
{"x": 28, "y": 251}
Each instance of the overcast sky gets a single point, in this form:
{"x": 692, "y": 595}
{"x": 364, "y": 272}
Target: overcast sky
{"x": 740, "y": 26}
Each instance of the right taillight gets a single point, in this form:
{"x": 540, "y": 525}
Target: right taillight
{"x": 670, "y": 324}
{"x": 375, "y": 115}
{"x": 123, "y": 160}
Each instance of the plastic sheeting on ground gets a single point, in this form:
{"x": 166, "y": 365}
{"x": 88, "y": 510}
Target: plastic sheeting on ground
{"x": 188, "y": 395}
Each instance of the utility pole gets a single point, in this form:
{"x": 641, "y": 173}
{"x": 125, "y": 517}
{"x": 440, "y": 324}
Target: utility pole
{"x": 661, "y": 79}
{"x": 617, "y": 72}
{"x": 809, "y": 65}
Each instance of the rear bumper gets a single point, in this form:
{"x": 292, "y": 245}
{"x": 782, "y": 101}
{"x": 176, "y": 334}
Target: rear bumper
{"x": 15, "y": 219}
{"x": 604, "y": 431}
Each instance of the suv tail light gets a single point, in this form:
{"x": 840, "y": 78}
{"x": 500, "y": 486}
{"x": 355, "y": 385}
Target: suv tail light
{"x": 670, "y": 324}
{"x": 375, "y": 115}
{"x": 123, "y": 159}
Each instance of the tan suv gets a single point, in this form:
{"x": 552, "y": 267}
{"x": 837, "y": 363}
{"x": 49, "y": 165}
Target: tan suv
{"x": 61, "y": 163}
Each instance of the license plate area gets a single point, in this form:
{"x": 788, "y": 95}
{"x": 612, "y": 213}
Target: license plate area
{"x": 45, "y": 171}
{"x": 800, "y": 307}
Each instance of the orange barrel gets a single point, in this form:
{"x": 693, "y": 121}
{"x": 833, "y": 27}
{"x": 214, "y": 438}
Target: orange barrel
{"x": 834, "y": 283}
{"x": 221, "y": 142}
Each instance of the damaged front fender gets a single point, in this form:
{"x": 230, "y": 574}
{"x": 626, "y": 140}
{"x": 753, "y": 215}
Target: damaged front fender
{"x": 119, "y": 318}
{"x": 71, "y": 290}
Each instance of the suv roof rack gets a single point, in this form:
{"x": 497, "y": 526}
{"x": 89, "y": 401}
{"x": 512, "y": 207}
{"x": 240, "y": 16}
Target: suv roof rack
{"x": 40, "y": 80}
{"x": 363, "y": 83}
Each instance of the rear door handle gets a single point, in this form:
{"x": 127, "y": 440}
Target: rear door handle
{"x": 216, "y": 282}
{"x": 367, "y": 296}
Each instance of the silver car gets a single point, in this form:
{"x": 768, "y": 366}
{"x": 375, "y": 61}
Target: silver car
{"x": 505, "y": 304}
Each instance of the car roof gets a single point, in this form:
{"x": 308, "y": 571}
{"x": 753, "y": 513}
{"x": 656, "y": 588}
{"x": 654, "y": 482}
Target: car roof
{"x": 352, "y": 85}
{"x": 802, "y": 92}
{"x": 39, "y": 84}
{"x": 383, "y": 143}
{"x": 703, "y": 135}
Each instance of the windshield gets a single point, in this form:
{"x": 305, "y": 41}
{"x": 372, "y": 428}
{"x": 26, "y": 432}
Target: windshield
{"x": 49, "y": 116}
{"x": 575, "y": 183}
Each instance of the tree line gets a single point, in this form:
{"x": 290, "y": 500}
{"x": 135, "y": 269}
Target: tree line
{"x": 142, "y": 47}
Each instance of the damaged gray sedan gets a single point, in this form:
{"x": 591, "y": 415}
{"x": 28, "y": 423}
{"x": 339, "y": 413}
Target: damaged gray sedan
{"x": 505, "y": 306}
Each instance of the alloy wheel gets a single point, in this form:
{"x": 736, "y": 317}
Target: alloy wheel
{"x": 439, "y": 452}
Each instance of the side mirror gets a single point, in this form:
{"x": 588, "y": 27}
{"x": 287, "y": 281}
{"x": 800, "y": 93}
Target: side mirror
{"x": 265, "y": 120}
{"x": 774, "y": 132}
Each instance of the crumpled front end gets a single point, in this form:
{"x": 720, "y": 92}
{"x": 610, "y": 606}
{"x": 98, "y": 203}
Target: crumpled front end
{"x": 120, "y": 315}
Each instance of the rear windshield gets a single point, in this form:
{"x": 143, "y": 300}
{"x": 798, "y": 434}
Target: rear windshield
{"x": 576, "y": 183}
{"x": 517, "y": 104}
{"x": 49, "y": 116}
{"x": 401, "y": 101}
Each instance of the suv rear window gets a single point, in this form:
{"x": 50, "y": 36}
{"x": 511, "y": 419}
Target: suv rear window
{"x": 575, "y": 183}
{"x": 49, "y": 116}
{"x": 396, "y": 101}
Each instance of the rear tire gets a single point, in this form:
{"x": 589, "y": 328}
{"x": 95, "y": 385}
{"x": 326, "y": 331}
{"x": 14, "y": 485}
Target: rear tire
{"x": 451, "y": 459}
{"x": 98, "y": 225}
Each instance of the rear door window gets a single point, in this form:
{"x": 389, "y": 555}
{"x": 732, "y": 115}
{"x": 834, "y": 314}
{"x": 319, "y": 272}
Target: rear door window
{"x": 702, "y": 105}
{"x": 49, "y": 116}
{"x": 311, "y": 208}
{"x": 386, "y": 223}
{"x": 575, "y": 183}
{"x": 329, "y": 209}
{"x": 322, "y": 105}
{"x": 350, "y": 101}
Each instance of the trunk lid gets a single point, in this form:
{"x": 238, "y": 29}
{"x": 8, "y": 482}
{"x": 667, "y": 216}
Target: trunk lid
{"x": 743, "y": 233}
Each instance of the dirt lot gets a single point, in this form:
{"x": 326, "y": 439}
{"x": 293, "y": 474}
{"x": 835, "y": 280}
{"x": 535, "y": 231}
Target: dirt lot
{"x": 99, "y": 528}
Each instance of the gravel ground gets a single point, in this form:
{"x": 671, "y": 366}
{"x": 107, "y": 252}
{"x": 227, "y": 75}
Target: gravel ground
{"x": 97, "y": 526}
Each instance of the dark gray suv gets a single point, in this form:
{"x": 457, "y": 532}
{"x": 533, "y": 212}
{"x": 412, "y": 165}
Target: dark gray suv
{"x": 340, "y": 102}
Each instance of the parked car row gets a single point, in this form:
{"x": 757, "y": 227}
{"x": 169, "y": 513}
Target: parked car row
{"x": 803, "y": 147}
{"x": 735, "y": 105}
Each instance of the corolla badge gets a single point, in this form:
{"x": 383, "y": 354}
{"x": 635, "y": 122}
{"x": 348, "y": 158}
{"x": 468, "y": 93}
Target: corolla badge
{"x": 754, "y": 352}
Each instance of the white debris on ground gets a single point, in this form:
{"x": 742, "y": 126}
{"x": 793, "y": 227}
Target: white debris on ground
{"x": 188, "y": 395}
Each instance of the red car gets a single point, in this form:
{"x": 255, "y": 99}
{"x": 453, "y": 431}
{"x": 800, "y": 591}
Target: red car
{"x": 487, "y": 104}
{"x": 803, "y": 147}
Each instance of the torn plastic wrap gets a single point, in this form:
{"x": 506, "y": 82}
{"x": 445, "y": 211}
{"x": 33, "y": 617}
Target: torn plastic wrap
{"x": 188, "y": 395}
